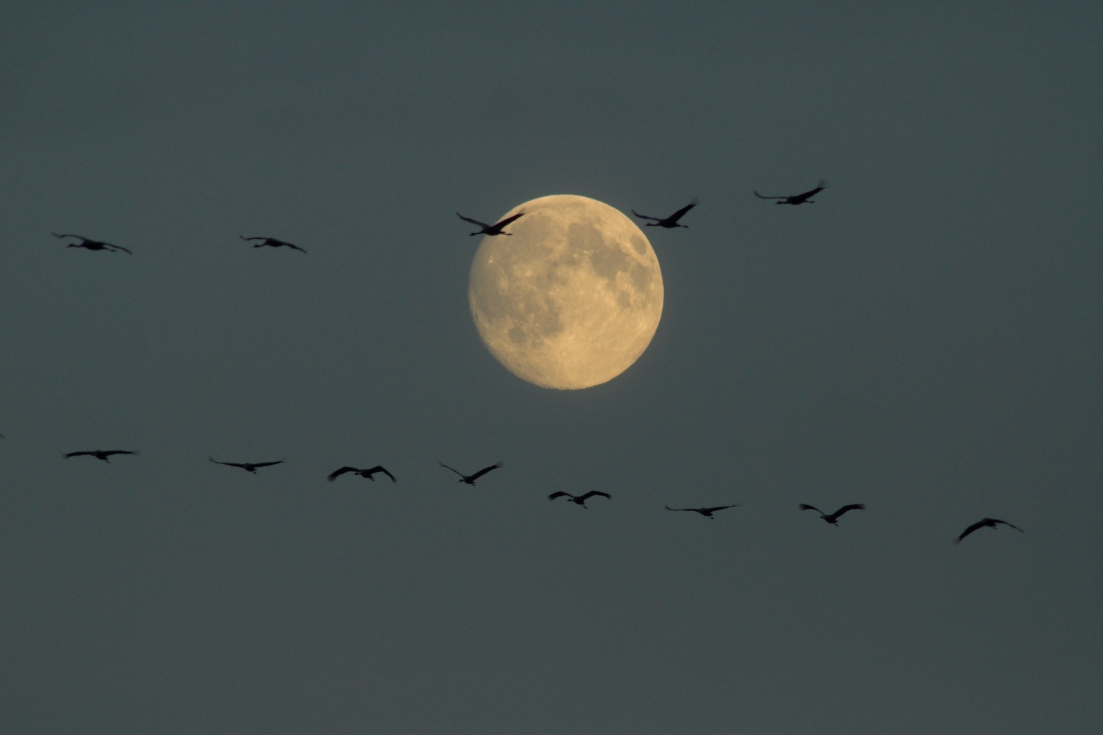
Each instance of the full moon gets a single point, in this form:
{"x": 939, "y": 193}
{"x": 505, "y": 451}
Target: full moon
{"x": 571, "y": 298}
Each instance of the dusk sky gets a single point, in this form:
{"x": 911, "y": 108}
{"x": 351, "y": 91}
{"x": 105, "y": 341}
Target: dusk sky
{"x": 926, "y": 339}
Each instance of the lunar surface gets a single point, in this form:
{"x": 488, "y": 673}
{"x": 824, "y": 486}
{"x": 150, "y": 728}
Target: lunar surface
{"x": 572, "y": 298}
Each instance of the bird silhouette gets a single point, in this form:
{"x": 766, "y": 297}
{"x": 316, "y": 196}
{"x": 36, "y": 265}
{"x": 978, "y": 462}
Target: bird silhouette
{"x": 272, "y": 243}
{"x": 247, "y": 466}
{"x": 796, "y": 199}
{"x": 671, "y": 221}
{"x": 833, "y": 519}
{"x": 98, "y": 454}
{"x": 706, "y": 512}
{"x": 363, "y": 473}
{"x": 494, "y": 229}
{"x": 92, "y": 244}
{"x": 470, "y": 479}
{"x": 579, "y": 499}
{"x": 989, "y": 522}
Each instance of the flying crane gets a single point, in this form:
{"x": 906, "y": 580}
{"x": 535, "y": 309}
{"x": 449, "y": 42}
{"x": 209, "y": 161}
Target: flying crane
{"x": 579, "y": 499}
{"x": 494, "y": 229}
{"x": 671, "y": 221}
{"x": 470, "y": 479}
{"x": 92, "y": 244}
{"x": 805, "y": 198}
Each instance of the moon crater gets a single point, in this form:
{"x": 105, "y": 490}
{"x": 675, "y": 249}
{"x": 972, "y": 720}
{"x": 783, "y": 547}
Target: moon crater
{"x": 571, "y": 298}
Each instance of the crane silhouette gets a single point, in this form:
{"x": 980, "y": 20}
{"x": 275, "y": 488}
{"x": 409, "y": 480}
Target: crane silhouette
{"x": 272, "y": 243}
{"x": 990, "y": 523}
{"x": 706, "y": 512}
{"x": 247, "y": 466}
{"x": 579, "y": 499}
{"x": 363, "y": 473}
{"x": 796, "y": 199}
{"x": 833, "y": 519}
{"x": 470, "y": 479}
{"x": 92, "y": 244}
{"x": 671, "y": 221}
{"x": 494, "y": 229}
{"x": 98, "y": 454}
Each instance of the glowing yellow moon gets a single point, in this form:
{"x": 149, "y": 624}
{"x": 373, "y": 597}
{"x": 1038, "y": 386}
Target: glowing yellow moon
{"x": 571, "y": 298}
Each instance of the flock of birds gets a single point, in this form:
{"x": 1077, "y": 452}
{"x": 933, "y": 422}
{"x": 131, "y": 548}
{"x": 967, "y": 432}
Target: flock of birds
{"x": 370, "y": 472}
{"x": 493, "y": 230}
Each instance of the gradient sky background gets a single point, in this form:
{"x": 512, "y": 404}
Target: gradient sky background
{"x": 925, "y": 339}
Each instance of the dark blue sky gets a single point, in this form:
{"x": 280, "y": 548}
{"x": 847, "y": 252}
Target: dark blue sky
{"x": 924, "y": 339}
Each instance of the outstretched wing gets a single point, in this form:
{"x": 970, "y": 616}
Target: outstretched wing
{"x": 294, "y": 247}
{"x": 228, "y": 464}
{"x": 76, "y": 454}
{"x": 267, "y": 464}
{"x": 474, "y": 222}
{"x": 558, "y": 494}
{"x": 592, "y": 493}
{"x": 846, "y": 508}
{"x": 337, "y": 473}
{"x": 117, "y": 451}
{"x": 669, "y": 508}
{"x": 484, "y": 470}
{"x": 762, "y": 197}
{"x": 507, "y": 220}
{"x": 243, "y": 237}
{"x": 820, "y": 187}
{"x": 442, "y": 464}
{"x": 997, "y": 520}
{"x": 118, "y": 247}
{"x": 805, "y": 506}
{"x": 645, "y": 216}
{"x": 970, "y": 529}
{"x": 719, "y": 507}
{"x": 678, "y": 215}
{"x": 79, "y": 237}
{"x": 380, "y": 468}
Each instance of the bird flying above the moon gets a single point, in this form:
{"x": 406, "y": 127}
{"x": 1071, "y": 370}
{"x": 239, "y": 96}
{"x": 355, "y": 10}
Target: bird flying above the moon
{"x": 363, "y": 473}
{"x": 494, "y": 229}
{"x": 805, "y": 198}
{"x": 990, "y": 523}
{"x": 706, "y": 512}
{"x": 470, "y": 479}
{"x": 247, "y": 466}
{"x": 833, "y": 519}
{"x": 98, "y": 454}
{"x": 272, "y": 243}
{"x": 92, "y": 244}
{"x": 671, "y": 221}
{"x": 579, "y": 499}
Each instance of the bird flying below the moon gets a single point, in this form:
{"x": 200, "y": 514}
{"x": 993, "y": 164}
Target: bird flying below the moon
{"x": 671, "y": 221}
{"x": 470, "y": 479}
{"x": 247, "y": 466}
{"x": 805, "y": 198}
{"x": 494, "y": 229}
{"x": 833, "y": 519}
{"x": 271, "y": 242}
{"x": 92, "y": 244}
{"x": 98, "y": 454}
{"x": 579, "y": 499}
{"x": 990, "y": 523}
{"x": 706, "y": 512}
{"x": 363, "y": 473}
